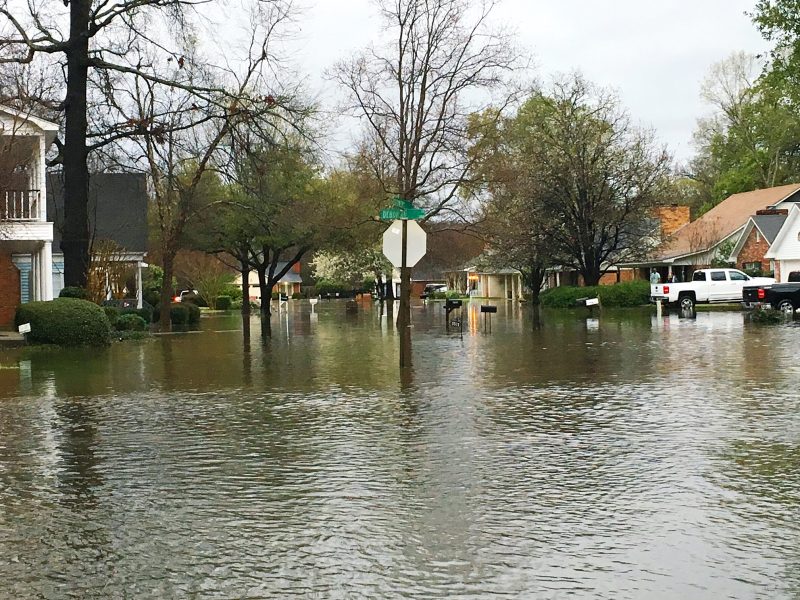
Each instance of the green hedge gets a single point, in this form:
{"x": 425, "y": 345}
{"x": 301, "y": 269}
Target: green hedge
{"x": 628, "y": 294}
{"x": 66, "y": 322}
{"x": 223, "y": 302}
{"x": 194, "y": 313}
{"x": 73, "y": 292}
{"x": 181, "y": 313}
{"x": 146, "y": 312}
{"x": 130, "y": 322}
{"x": 112, "y": 314}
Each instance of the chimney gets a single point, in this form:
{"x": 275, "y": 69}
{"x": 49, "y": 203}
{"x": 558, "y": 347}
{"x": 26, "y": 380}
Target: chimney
{"x": 772, "y": 211}
{"x": 671, "y": 218}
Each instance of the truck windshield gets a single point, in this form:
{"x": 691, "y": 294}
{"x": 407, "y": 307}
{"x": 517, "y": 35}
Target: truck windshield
{"x": 699, "y": 276}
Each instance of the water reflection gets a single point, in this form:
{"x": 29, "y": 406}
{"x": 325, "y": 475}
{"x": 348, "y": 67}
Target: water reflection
{"x": 615, "y": 455}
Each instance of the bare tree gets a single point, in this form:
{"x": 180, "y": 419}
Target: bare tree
{"x": 95, "y": 43}
{"x": 441, "y": 62}
{"x": 601, "y": 175}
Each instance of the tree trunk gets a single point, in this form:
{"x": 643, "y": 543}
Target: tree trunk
{"x": 165, "y": 300}
{"x": 379, "y": 286}
{"x": 75, "y": 235}
{"x": 266, "y": 291}
{"x": 591, "y": 275}
{"x": 244, "y": 270}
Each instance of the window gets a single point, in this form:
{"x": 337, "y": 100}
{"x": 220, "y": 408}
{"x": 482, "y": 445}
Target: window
{"x": 738, "y": 276}
{"x": 699, "y": 276}
{"x": 758, "y": 235}
{"x": 718, "y": 276}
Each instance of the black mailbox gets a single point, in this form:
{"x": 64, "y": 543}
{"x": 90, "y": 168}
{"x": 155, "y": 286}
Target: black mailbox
{"x": 452, "y": 303}
{"x": 488, "y": 308}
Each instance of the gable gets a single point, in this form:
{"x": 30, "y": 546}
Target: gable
{"x": 787, "y": 244}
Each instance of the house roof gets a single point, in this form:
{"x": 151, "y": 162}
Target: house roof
{"x": 117, "y": 208}
{"x": 786, "y": 245}
{"x": 769, "y": 225}
{"x": 50, "y": 129}
{"x": 722, "y": 221}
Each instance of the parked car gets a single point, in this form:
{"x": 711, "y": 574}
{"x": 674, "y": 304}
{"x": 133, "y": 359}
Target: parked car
{"x": 433, "y": 288}
{"x": 780, "y": 296}
{"x": 707, "y": 286}
{"x": 187, "y": 296}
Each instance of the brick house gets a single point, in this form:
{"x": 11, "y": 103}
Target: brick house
{"x": 749, "y": 254}
{"x": 24, "y": 228}
{"x": 697, "y": 244}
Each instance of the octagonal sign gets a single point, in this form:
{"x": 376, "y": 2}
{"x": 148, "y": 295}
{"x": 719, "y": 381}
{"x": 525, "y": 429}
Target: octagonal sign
{"x": 393, "y": 243}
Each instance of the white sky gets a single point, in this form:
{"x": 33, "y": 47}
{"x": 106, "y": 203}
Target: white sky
{"x": 654, "y": 53}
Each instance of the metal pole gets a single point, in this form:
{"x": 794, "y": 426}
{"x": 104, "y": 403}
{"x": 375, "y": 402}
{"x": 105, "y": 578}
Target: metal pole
{"x": 405, "y": 304}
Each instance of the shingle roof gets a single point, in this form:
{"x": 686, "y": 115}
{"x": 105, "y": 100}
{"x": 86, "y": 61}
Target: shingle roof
{"x": 769, "y": 225}
{"x": 722, "y": 221}
{"x": 117, "y": 208}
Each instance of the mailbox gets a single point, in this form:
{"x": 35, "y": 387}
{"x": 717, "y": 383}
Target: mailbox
{"x": 488, "y": 308}
{"x": 452, "y": 303}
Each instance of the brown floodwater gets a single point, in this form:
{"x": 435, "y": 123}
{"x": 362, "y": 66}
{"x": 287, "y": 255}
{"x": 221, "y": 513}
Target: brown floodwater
{"x": 624, "y": 456}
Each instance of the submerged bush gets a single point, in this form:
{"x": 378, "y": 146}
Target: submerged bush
{"x": 223, "y": 302}
{"x": 112, "y": 313}
{"x": 628, "y": 294}
{"x": 766, "y": 316}
{"x": 130, "y": 322}
{"x": 66, "y": 322}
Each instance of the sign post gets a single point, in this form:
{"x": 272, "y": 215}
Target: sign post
{"x": 404, "y": 244}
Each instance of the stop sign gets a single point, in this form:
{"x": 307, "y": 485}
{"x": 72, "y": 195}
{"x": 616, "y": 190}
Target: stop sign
{"x": 393, "y": 243}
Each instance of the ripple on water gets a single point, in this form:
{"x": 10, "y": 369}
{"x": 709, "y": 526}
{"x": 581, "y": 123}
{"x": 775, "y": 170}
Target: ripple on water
{"x": 637, "y": 459}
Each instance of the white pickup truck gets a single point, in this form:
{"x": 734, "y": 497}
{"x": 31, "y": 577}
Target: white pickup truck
{"x": 707, "y": 285}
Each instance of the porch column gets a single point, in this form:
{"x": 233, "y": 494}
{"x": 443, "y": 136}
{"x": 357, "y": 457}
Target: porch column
{"x": 42, "y": 204}
{"x": 47, "y": 270}
{"x": 34, "y": 277}
{"x": 139, "y": 295}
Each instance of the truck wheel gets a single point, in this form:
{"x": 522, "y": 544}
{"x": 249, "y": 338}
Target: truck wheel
{"x": 786, "y": 307}
{"x": 686, "y": 302}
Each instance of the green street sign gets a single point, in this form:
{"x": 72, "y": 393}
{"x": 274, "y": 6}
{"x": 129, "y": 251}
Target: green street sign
{"x": 390, "y": 214}
{"x": 412, "y": 214}
{"x": 402, "y": 204}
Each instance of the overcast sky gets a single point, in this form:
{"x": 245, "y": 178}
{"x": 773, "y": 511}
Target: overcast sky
{"x": 654, "y": 53}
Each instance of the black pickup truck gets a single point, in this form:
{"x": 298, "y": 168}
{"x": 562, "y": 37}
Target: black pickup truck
{"x": 780, "y": 296}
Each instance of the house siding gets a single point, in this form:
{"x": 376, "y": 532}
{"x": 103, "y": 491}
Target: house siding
{"x": 753, "y": 250}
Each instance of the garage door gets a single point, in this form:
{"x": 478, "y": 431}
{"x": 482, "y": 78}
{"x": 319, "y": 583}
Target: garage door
{"x": 787, "y": 266}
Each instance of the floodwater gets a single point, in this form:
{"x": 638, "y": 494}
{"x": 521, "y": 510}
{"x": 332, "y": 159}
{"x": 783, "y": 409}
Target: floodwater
{"x": 622, "y": 457}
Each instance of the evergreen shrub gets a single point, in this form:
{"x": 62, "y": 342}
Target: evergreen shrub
{"x": 65, "y": 322}
{"x": 130, "y": 322}
{"x": 627, "y": 294}
{"x": 73, "y": 292}
{"x": 223, "y": 302}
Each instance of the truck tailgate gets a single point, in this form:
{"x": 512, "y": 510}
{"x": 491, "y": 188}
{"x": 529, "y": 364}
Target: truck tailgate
{"x": 750, "y": 293}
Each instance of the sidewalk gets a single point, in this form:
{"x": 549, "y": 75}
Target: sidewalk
{"x": 11, "y": 339}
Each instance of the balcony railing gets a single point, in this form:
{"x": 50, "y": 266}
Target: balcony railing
{"x": 19, "y": 205}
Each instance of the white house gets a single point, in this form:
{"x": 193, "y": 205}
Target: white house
{"x": 25, "y": 231}
{"x": 785, "y": 250}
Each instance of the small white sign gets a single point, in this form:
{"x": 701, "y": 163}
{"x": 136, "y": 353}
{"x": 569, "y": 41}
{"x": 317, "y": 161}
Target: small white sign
{"x": 593, "y": 302}
{"x": 25, "y": 328}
